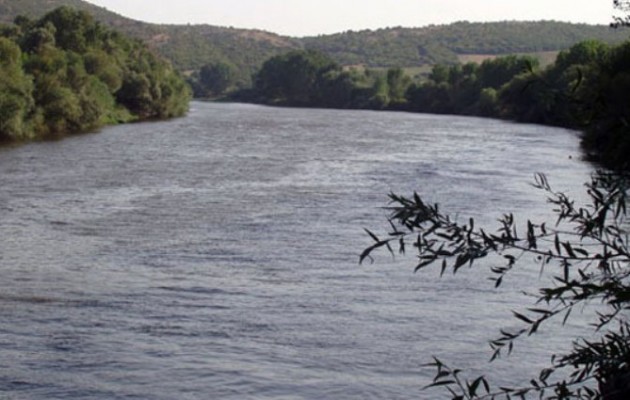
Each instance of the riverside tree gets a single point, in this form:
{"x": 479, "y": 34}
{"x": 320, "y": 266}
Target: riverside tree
{"x": 66, "y": 73}
{"x": 214, "y": 79}
{"x": 308, "y": 78}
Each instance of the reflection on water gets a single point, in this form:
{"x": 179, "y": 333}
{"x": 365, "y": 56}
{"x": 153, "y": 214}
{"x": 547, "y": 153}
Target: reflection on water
{"x": 215, "y": 256}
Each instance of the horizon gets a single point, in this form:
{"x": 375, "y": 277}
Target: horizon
{"x": 300, "y": 18}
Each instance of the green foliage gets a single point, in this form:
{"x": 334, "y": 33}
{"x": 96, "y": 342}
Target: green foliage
{"x": 214, "y": 80}
{"x": 586, "y": 88}
{"x": 439, "y": 74}
{"x": 66, "y": 73}
{"x": 587, "y": 252}
{"x": 465, "y": 89}
{"x": 496, "y": 73}
{"x": 398, "y": 83}
{"x": 191, "y": 47}
{"x": 15, "y": 92}
{"x": 293, "y": 78}
{"x": 605, "y": 91}
{"x": 311, "y": 79}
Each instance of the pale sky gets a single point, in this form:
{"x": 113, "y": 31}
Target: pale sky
{"x": 312, "y": 17}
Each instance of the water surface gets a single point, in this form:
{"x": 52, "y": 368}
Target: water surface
{"x": 216, "y": 256}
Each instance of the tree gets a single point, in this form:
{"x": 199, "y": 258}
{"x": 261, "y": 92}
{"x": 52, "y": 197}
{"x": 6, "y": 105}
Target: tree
{"x": 499, "y": 71}
{"x": 439, "y": 74}
{"x": 589, "y": 251}
{"x": 292, "y": 78}
{"x": 65, "y": 73}
{"x": 398, "y": 83}
{"x": 607, "y": 137}
{"x": 16, "y": 88}
{"x": 216, "y": 78}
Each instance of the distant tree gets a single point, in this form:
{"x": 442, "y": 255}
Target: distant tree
{"x": 497, "y": 72}
{"x": 380, "y": 96}
{"x": 528, "y": 98}
{"x": 487, "y": 105}
{"x": 293, "y": 78}
{"x": 430, "y": 98}
{"x": 582, "y": 53}
{"x": 398, "y": 83}
{"x": 215, "y": 79}
{"x": 439, "y": 73}
{"x": 340, "y": 89}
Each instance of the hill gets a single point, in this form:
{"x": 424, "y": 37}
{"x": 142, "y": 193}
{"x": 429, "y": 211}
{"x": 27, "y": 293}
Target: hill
{"x": 447, "y": 43}
{"x": 189, "y": 47}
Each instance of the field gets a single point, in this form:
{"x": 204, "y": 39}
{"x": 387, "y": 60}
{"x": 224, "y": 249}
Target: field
{"x": 545, "y": 57}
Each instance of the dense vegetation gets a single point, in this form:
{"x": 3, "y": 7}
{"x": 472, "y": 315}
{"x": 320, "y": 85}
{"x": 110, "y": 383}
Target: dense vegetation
{"x": 66, "y": 73}
{"x": 308, "y": 78}
{"x": 191, "y": 47}
{"x": 586, "y": 89}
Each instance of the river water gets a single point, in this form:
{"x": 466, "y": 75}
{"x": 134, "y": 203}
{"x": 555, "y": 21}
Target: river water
{"x": 216, "y": 256}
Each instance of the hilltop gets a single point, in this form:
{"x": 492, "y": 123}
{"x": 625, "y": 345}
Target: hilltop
{"x": 189, "y": 47}
{"x": 444, "y": 44}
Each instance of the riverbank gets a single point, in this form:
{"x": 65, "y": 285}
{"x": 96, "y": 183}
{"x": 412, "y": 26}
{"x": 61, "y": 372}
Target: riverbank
{"x": 585, "y": 89}
{"x": 65, "y": 73}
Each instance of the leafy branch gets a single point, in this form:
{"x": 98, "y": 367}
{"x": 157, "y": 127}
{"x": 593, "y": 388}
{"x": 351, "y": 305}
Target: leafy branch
{"x": 587, "y": 251}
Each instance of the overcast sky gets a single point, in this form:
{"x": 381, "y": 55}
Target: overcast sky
{"x": 312, "y": 17}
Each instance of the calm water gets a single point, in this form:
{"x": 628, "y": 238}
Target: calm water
{"x": 215, "y": 256}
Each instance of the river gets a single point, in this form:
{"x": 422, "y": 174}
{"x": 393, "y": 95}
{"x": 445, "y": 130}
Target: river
{"x": 216, "y": 256}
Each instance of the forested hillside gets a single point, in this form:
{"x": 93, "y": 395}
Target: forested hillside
{"x": 190, "y": 47}
{"x": 403, "y": 47}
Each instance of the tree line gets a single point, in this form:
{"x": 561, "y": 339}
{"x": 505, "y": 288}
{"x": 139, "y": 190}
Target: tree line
{"x": 584, "y": 89}
{"x": 67, "y": 73}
